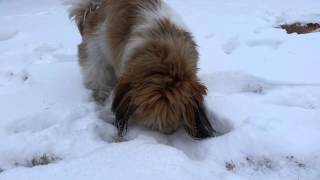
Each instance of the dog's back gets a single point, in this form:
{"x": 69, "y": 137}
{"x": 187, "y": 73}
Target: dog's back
{"x": 120, "y": 21}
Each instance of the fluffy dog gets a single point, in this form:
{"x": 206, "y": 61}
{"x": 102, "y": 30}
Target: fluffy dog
{"x": 142, "y": 51}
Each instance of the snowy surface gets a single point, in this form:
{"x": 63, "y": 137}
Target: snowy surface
{"x": 264, "y": 97}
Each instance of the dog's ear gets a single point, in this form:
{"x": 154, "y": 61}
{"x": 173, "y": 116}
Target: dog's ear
{"x": 122, "y": 107}
{"x": 198, "y": 125}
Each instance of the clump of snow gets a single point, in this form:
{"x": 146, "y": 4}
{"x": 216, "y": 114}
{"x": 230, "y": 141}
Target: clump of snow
{"x": 264, "y": 99}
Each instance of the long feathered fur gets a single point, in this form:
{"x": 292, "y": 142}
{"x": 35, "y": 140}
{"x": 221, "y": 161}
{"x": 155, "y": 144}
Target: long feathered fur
{"x": 79, "y": 10}
{"x": 154, "y": 59}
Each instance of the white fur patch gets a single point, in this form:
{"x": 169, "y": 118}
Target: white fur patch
{"x": 132, "y": 44}
{"x": 150, "y": 17}
{"x": 95, "y": 70}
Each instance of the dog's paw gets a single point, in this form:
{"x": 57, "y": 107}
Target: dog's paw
{"x": 118, "y": 139}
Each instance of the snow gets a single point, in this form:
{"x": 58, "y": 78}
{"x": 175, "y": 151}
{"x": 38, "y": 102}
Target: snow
{"x": 264, "y": 98}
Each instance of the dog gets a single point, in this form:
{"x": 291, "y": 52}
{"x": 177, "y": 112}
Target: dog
{"x": 141, "y": 52}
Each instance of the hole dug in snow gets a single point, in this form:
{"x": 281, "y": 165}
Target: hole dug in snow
{"x": 301, "y": 28}
{"x": 220, "y": 124}
{"x": 197, "y": 150}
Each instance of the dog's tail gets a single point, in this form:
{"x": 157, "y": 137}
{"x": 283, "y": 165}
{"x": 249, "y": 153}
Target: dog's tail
{"x": 80, "y": 9}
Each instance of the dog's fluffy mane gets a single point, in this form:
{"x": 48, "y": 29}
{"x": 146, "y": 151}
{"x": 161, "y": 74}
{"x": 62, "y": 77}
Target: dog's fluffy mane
{"x": 154, "y": 59}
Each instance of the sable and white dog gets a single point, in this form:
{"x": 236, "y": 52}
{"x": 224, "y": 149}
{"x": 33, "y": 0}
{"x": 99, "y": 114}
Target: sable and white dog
{"x": 143, "y": 52}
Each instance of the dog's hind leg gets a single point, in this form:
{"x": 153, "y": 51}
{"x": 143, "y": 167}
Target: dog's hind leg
{"x": 98, "y": 73}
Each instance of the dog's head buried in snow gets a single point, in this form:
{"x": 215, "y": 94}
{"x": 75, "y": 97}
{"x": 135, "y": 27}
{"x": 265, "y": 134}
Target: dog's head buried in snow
{"x": 142, "y": 51}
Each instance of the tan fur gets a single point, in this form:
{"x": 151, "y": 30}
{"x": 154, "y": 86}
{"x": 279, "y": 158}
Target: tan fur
{"x": 158, "y": 84}
{"x": 162, "y": 78}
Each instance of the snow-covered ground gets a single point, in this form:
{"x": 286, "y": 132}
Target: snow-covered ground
{"x": 264, "y": 98}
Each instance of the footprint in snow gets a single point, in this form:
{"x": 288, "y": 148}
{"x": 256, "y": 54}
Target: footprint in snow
{"x": 305, "y": 97}
{"x": 4, "y": 36}
{"x": 9, "y": 76}
{"x": 45, "y": 51}
{"x": 231, "y": 45}
{"x": 240, "y": 82}
{"x": 236, "y": 82}
{"x": 270, "y": 43}
{"x": 50, "y": 54}
{"x": 64, "y": 57}
{"x": 33, "y": 123}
